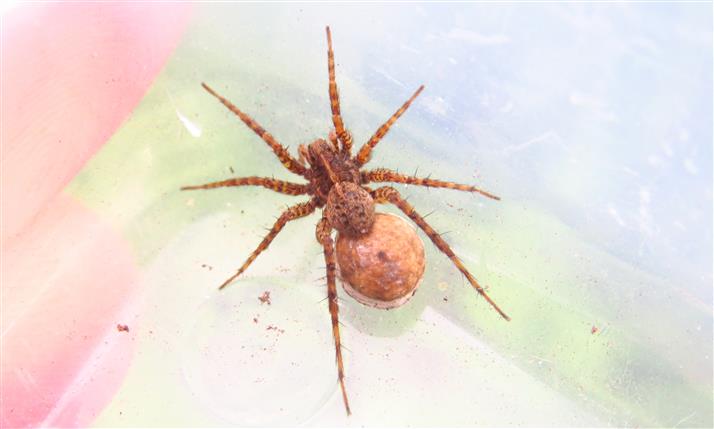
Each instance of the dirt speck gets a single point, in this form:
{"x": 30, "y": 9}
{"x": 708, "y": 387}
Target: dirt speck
{"x": 275, "y": 328}
{"x": 265, "y": 297}
{"x": 122, "y": 328}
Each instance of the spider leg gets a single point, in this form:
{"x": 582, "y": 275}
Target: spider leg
{"x": 385, "y": 175}
{"x": 283, "y": 155}
{"x": 388, "y": 194}
{"x": 279, "y": 186}
{"x": 342, "y": 133}
{"x": 294, "y": 212}
{"x": 332, "y": 137}
{"x": 365, "y": 151}
{"x": 322, "y": 233}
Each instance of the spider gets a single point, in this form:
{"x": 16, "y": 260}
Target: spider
{"x": 336, "y": 183}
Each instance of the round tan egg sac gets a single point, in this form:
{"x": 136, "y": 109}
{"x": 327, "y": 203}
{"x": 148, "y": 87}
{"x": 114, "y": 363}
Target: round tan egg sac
{"x": 384, "y": 267}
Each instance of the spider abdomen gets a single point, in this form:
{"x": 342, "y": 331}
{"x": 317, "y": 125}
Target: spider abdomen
{"x": 350, "y": 209}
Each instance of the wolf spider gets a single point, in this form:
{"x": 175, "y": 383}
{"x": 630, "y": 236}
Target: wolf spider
{"x": 336, "y": 181}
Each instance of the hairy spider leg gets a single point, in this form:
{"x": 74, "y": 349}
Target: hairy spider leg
{"x": 344, "y": 136}
{"x": 386, "y": 175}
{"x": 291, "y": 213}
{"x": 284, "y": 156}
{"x": 322, "y": 233}
{"x": 365, "y": 152}
{"x": 387, "y": 194}
{"x": 279, "y": 186}
{"x": 332, "y": 137}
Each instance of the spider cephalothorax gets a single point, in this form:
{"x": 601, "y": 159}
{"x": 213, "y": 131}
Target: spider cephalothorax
{"x": 337, "y": 183}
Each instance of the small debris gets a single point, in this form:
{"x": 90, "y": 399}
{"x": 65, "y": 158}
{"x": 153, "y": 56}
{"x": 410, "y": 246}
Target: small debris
{"x": 446, "y": 299}
{"x": 122, "y": 328}
{"x": 275, "y": 328}
{"x": 594, "y": 330}
{"x": 255, "y": 319}
{"x": 207, "y": 266}
{"x": 265, "y": 297}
